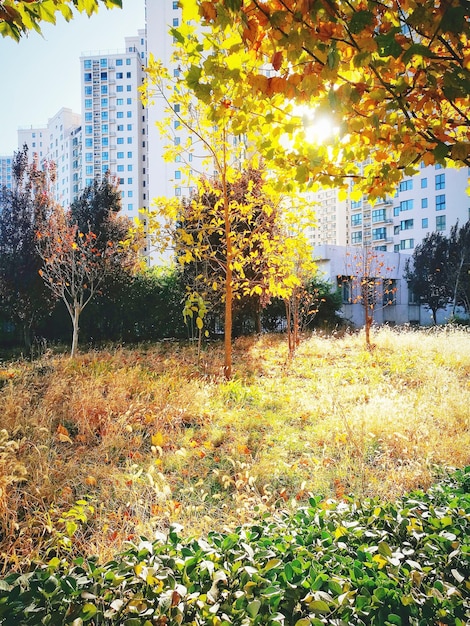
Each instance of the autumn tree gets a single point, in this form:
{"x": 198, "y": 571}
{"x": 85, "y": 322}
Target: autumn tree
{"x": 75, "y": 264}
{"x": 19, "y": 17}
{"x": 427, "y": 273}
{"x": 392, "y": 77}
{"x": 221, "y": 127}
{"x": 367, "y": 281}
{"x": 24, "y": 298}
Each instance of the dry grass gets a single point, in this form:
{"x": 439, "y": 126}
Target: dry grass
{"x": 150, "y": 436}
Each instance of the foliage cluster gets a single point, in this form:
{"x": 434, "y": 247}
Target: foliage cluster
{"x": 18, "y": 17}
{"x": 153, "y": 436}
{"x": 374, "y": 562}
{"x": 392, "y": 77}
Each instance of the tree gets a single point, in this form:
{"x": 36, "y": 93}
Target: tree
{"x": 367, "y": 282}
{"x": 75, "y": 265}
{"x": 427, "y": 273}
{"x": 18, "y": 17}
{"x": 459, "y": 264}
{"x": 393, "y": 77}
{"x": 222, "y": 126}
{"x": 24, "y": 298}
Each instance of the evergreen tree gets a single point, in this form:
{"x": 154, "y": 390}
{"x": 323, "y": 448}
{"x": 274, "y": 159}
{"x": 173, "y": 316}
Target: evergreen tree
{"x": 427, "y": 273}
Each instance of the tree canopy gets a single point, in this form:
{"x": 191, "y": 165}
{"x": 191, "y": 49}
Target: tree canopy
{"x": 392, "y": 77}
{"x": 18, "y": 17}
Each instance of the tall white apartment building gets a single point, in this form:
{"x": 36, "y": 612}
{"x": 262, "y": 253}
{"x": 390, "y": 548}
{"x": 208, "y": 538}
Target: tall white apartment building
{"x": 432, "y": 200}
{"x": 57, "y": 142}
{"x": 114, "y": 131}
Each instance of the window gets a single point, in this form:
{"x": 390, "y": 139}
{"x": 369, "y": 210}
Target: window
{"x": 424, "y": 183}
{"x": 129, "y": 168}
{"x": 406, "y": 185}
{"x": 120, "y": 140}
{"x": 424, "y": 222}
{"x": 104, "y": 90}
{"x": 129, "y": 113}
{"x": 345, "y": 284}
{"x": 129, "y": 88}
{"x": 438, "y": 166}
{"x": 130, "y": 207}
{"x": 120, "y": 114}
{"x": 176, "y": 124}
{"x": 176, "y": 72}
{"x": 440, "y": 222}
{"x": 119, "y": 75}
{"x": 381, "y": 248}
{"x": 88, "y": 103}
{"x": 396, "y": 247}
{"x": 119, "y": 102}
{"x": 176, "y": 21}
{"x": 396, "y": 211}
{"x": 128, "y": 75}
{"x": 389, "y": 287}
{"x": 129, "y": 181}
{"x": 88, "y": 130}
{"x": 178, "y": 191}
{"x": 87, "y": 64}
{"x": 356, "y": 204}
{"x": 129, "y": 140}
{"x": 88, "y": 116}
{"x": 175, "y": 4}
{"x": 378, "y": 215}
{"x": 178, "y": 174}
{"x": 88, "y": 157}
{"x": 104, "y": 75}
{"x": 121, "y": 181}
{"x": 440, "y": 181}
{"x": 424, "y": 203}
{"x": 406, "y": 205}
{"x": 129, "y": 155}
{"x": 104, "y": 129}
{"x": 104, "y": 115}
{"x": 120, "y": 168}
{"x": 119, "y": 88}
{"x": 105, "y": 156}
{"x": 88, "y": 90}
{"x": 406, "y": 224}
{"x": 379, "y": 233}
{"x": 130, "y": 193}
{"x": 356, "y": 237}
{"x": 177, "y": 141}
{"x": 396, "y": 230}
{"x": 129, "y": 100}
{"x": 356, "y": 220}
{"x": 89, "y": 143}
{"x": 120, "y": 155}
{"x": 128, "y": 61}
{"x": 440, "y": 203}
{"x": 129, "y": 127}
{"x": 105, "y": 141}
{"x": 104, "y": 102}
{"x": 407, "y": 244}
{"x": 103, "y": 62}
{"x": 87, "y": 77}
{"x": 89, "y": 170}
{"x": 177, "y": 108}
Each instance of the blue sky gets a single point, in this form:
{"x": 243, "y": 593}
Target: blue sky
{"x": 41, "y": 74}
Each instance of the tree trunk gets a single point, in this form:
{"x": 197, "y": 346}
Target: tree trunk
{"x": 228, "y": 275}
{"x": 434, "y": 316}
{"x": 369, "y": 320}
{"x": 456, "y": 286}
{"x": 75, "y": 319}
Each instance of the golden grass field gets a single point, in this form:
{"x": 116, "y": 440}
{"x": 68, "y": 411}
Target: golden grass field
{"x": 148, "y": 436}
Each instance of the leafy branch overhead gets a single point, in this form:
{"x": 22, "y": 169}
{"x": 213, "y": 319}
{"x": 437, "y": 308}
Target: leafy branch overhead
{"x": 18, "y": 17}
{"x": 394, "y": 77}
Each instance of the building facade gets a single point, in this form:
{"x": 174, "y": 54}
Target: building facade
{"x": 6, "y": 173}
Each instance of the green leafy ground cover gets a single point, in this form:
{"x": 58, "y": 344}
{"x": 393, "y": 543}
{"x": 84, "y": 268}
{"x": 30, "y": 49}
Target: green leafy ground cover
{"x": 338, "y": 562}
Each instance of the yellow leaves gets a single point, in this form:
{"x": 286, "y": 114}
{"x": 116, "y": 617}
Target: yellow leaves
{"x": 158, "y": 439}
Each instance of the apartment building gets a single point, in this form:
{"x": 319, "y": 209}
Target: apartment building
{"x": 114, "y": 131}
{"x": 6, "y": 174}
{"x": 432, "y": 200}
